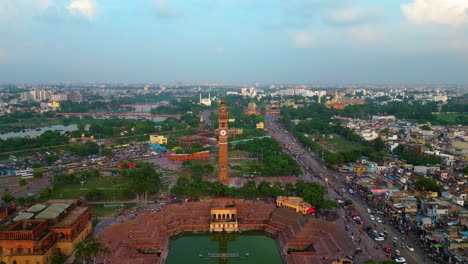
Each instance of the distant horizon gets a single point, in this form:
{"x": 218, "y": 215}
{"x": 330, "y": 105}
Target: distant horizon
{"x": 245, "y": 84}
{"x": 399, "y": 42}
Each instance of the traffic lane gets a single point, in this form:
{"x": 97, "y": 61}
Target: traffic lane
{"x": 411, "y": 257}
{"x": 364, "y": 241}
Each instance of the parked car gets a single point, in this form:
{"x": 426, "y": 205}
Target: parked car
{"x": 372, "y": 218}
{"x": 378, "y": 219}
{"x": 351, "y": 191}
{"x": 410, "y": 248}
{"x": 400, "y": 260}
{"x": 379, "y": 238}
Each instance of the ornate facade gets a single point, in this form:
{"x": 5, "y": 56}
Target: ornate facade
{"x": 44, "y": 230}
{"x": 224, "y": 218}
{"x": 223, "y": 133}
{"x": 296, "y": 204}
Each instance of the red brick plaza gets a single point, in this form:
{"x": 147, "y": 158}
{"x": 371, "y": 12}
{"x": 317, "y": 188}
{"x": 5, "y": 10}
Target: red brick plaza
{"x": 145, "y": 239}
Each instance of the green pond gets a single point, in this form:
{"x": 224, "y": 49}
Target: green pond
{"x": 251, "y": 248}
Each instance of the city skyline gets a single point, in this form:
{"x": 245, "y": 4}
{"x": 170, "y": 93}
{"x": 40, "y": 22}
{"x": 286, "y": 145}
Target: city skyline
{"x": 229, "y": 41}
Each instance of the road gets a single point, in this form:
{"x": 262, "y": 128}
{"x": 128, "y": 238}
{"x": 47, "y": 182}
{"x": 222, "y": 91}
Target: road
{"x": 314, "y": 170}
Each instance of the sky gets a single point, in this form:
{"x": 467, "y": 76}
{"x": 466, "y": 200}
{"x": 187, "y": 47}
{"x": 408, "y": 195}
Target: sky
{"x": 235, "y": 41}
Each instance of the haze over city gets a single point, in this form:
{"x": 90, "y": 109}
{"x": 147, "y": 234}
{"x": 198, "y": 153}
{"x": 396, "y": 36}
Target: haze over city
{"x": 235, "y": 41}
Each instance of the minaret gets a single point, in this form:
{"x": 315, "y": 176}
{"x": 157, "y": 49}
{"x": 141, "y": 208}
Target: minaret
{"x": 223, "y": 175}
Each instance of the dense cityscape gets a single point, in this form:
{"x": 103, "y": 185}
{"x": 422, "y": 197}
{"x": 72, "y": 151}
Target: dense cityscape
{"x": 233, "y": 131}
{"x": 391, "y": 161}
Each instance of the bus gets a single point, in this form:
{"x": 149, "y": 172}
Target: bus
{"x": 25, "y": 174}
{"x": 72, "y": 165}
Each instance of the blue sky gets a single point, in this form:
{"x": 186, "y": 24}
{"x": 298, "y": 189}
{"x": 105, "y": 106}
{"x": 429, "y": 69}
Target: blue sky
{"x": 235, "y": 41}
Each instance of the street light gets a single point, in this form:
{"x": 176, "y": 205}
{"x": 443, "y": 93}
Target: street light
{"x": 323, "y": 136}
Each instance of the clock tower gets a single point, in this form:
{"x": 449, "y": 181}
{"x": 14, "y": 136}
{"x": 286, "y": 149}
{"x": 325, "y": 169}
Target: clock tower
{"x": 223, "y": 175}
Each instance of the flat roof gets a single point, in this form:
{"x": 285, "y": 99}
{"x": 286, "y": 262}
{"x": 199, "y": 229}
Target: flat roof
{"x": 53, "y": 211}
{"x": 23, "y": 216}
{"x": 36, "y": 208}
{"x": 71, "y": 217}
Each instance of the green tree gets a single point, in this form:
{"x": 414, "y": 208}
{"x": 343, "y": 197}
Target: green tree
{"x": 50, "y": 159}
{"x": 23, "y": 182}
{"x": 94, "y": 248}
{"x": 249, "y": 190}
{"x": 144, "y": 180}
{"x": 7, "y": 197}
{"x": 427, "y": 184}
{"x": 37, "y": 173}
{"x": 379, "y": 144}
{"x": 107, "y": 152}
{"x": 58, "y": 259}
{"x": 82, "y": 251}
{"x": 106, "y": 252}
{"x": 425, "y": 127}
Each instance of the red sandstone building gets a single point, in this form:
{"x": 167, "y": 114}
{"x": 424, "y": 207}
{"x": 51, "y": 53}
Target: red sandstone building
{"x": 34, "y": 235}
{"x": 193, "y": 156}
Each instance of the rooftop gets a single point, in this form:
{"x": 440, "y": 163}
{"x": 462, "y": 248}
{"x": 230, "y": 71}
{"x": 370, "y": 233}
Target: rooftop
{"x": 53, "y": 211}
{"x": 72, "y": 217}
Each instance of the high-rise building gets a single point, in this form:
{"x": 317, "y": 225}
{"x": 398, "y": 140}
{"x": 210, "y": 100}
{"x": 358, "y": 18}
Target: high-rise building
{"x": 223, "y": 174}
{"x": 75, "y": 97}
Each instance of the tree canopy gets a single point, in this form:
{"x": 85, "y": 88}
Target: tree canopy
{"x": 427, "y": 184}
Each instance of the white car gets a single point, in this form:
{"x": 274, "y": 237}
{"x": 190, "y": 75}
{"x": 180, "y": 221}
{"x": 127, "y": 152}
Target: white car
{"x": 410, "y": 248}
{"x": 400, "y": 260}
{"x": 351, "y": 191}
{"x": 379, "y": 238}
{"x": 372, "y": 218}
{"x": 378, "y": 219}
{"x": 397, "y": 252}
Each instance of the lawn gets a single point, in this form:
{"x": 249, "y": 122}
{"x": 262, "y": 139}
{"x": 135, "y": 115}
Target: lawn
{"x": 103, "y": 210}
{"x": 114, "y": 188}
{"x": 449, "y": 117}
{"x": 338, "y": 144}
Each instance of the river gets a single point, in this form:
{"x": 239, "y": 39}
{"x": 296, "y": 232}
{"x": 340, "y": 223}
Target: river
{"x": 34, "y": 132}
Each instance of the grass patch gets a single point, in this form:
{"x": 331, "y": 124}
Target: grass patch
{"x": 101, "y": 211}
{"x": 114, "y": 188}
{"x": 338, "y": 144}
{"x": 449, "y": 117}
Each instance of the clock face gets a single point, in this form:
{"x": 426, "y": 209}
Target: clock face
{"x": 222, "y": 132}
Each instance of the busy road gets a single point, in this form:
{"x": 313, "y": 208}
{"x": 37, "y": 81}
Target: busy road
{"x": 314, "y": 170}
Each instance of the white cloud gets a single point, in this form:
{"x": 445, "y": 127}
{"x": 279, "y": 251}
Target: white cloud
{"x": 219, "y": 50}
{"x": 352, "y": 16}
{"x": 302, "y": 39}
{"x": 450, "y": 12}
{"x": 43, "y": 4}
{"x": 3, "y": 56}
{"x": 11, "y": 8}
{"x": 82, "y": 8}
{"x": 164, "y": 9}
{"x": 365, "y": 33}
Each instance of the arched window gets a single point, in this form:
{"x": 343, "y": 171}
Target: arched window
{"x": 214, "y": 216}
{"x": 233, "y": 216}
